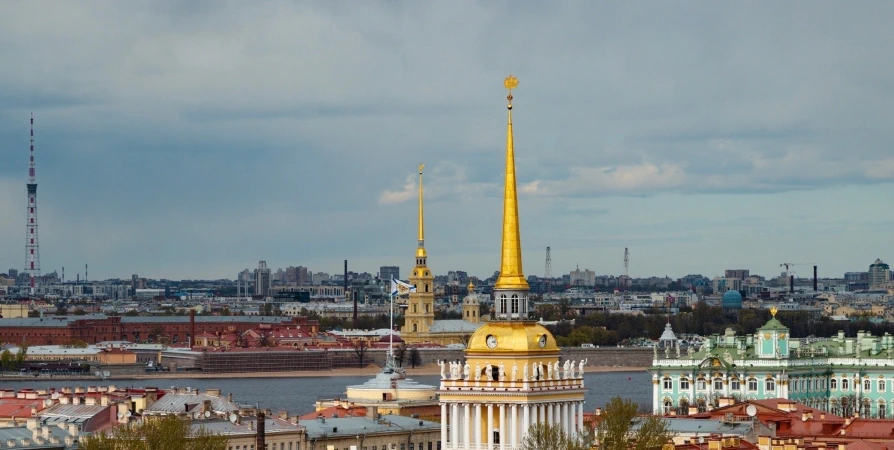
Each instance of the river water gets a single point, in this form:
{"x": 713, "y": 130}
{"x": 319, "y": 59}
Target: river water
{"x": 297, "y": 395}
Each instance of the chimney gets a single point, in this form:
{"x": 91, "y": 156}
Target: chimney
{"x": 31, "y": 424}
{"x": 293, "y": 420}
{"x": 804, "y": 416}
{"x": 104, "y": 400}
{"x": 822, "y": 416}
{"x": 230, "y": 397}
{"x": 261, "y": 439}
{"x": 814, "y": 279}
{"x": 192, "y": 328}
{"x": 372, "y": 412}
{"x": 283, "y": 415}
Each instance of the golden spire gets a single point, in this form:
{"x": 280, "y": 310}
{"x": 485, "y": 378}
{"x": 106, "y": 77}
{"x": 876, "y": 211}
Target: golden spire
{"x": 420, "y": 249}
{"x": 773, "y": 311}
{"x": 511, "y": 275}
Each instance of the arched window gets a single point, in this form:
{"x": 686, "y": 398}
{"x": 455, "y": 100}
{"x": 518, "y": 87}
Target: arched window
{"x": 718, "y": 384}
{"x": 467, "y": 314}
{"x": 882, "y": 410}
{"x": 845, "y": 384}
{"x": 667, "y": 384}
{"x": 414, "y": 308}
{"x": 684, "y": 384}
{"x": 502, "y": 304}
{"x": 668, "y": 407}
{"x": 833, "y": 384}
{"x": 770, "y": 385}
{"x": 415, "y": 328}
{"x": 514, "y": 304}
{"x": 426, "y": 287}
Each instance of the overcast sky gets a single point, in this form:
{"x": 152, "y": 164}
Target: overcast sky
{"x": 192, "y": 139}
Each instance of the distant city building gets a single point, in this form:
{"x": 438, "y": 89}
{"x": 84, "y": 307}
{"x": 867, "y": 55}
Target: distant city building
{"x": 738, "y": 274}
{"x": 583, "y": 277}
{"x": 320, "y": 278}
{"x": 389, "y": 272}
{"x": 262, "y": 279}
{"x": 732, "y": 299}
{"x": 879, "y": 274}
{"x": 13, "y": 273}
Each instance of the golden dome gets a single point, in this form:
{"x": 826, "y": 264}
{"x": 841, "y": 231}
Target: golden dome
{"x": 512, "y": 337}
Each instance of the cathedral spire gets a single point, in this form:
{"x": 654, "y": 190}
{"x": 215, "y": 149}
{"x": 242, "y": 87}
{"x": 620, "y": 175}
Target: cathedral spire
{"x": 420, "y": 249}
{"x": 511, "y": 274}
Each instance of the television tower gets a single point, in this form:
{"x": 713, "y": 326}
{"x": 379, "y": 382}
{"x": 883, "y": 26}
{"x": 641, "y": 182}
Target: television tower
{"x": 549, "y": 266}
{"x": 32, "y": 246}
{"x": 626, "y": 268}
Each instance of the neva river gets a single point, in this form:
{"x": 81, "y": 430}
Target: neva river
{"x": 297, "y": 395}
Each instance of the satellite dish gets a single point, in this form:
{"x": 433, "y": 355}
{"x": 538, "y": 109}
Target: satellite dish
{"x": 48, "y": 402}
{"x": 120, "y": 415}
{"x": 127, "y": 414}
{"x": 207, "y": 414}
{"x": 233, "y": 417}
{"x": 751, "y": 410}
{"x": 197, "y": 415}
{"x": 54, "y": 396}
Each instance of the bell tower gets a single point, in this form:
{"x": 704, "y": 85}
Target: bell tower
{"x": 471, "y": 306}
{"x": 421, "y": 306}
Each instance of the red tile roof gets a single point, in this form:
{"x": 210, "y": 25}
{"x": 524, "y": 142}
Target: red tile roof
{"x": 341, "y": 411}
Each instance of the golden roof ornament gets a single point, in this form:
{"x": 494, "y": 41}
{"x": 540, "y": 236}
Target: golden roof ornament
{"x": 510, "y": 83}
{"x": 773, "y": 311}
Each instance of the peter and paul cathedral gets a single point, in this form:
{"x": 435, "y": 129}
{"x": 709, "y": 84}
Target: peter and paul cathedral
{"x": 512, "y": 377}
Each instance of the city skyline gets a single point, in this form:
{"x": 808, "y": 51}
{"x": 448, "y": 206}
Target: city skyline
{"x": 179, "y": 142}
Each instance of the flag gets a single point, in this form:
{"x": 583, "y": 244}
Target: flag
{"x": 400, "y": 288}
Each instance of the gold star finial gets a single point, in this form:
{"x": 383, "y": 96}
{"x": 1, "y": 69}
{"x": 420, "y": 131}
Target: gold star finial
{"x": 510, "y": 83}
{"x": 773, "y": 311}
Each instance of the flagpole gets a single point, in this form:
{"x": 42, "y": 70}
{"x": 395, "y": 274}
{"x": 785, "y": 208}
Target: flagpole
{"x": 391, "y": 330}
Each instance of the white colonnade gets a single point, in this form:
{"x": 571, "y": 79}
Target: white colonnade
{"x": 464, "y": 424}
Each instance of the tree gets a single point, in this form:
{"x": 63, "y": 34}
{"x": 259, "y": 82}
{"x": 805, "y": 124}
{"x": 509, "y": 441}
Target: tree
{"x": 7, "y": 361}
{"x": 21, "y": 354}
{"x": 400, "y": 355}
{"x": 61, "y": 311}
{"x": 169, "y": 433}
{"x": 79, "y": 311}
{"x": 415, "y": 359}
{"x": 75, "y": 343}
{"x": 543, "y": 436}
{"x": 620, "y": 428}
{"x": 360, "y": 348}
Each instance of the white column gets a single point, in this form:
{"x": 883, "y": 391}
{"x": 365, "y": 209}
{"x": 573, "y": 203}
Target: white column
{"x": 566, "y": 422}
{"x": 490, "y": 426}
{"x": 477, "y": 439}
{"x": 467, "y": 423}
{"x": 580, "y": 417}
{"x": 503, "y": 426}
{"x": 526, "y": 421}
{"x": 443, "y": 425}
{"x": 550, "y": 414}
{"x": 541, "y": 413}
{"x": 454, "y": 426}
{"x": 513, "y": 425}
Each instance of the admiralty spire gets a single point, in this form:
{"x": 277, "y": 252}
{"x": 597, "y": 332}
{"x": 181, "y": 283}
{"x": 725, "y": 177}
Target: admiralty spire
{"x": 420, "y": 313}
{"x": 511, "y": 289}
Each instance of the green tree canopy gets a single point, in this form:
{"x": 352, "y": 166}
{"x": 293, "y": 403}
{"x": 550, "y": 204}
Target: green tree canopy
{"x": 543, "y": 436}
{"x": 620, "y": 428}
{"x": 168, "y": 433}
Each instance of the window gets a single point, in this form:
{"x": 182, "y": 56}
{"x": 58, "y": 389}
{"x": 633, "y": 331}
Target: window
{"x": 882, "y": 410}
{"x": 502, "y": 304}
{"x": 771, "y": 385}
{"x": 881, "y": 385}
{"x": 752, "y": 384}
{"x": 718, "y": 384}
{"x": 514, "y": 304}
{"x": 668, "y": 384}
{"x": 668, "y": 407}
{"x": 809, "y": 384}
{"x": 845, "y": 384}
{"x": 735, "y": 385}
{"x": 833, "y": 384}
{"x": 867, "y": 385}
{"x": 684, "y": 384}
{"x": 700, "y": 384}
{"x": 412, "y": 446}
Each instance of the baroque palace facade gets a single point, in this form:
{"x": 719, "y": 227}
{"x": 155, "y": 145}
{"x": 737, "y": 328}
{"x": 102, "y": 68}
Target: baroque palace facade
{"x": 842, "y": 375}
{"x": 511, "y": 378}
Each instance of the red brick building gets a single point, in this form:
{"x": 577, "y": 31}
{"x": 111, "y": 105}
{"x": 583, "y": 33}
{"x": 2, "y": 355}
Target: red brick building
{"x": 97, "y": 328}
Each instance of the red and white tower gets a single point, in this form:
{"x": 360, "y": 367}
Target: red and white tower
{"x": 32, "y": 247}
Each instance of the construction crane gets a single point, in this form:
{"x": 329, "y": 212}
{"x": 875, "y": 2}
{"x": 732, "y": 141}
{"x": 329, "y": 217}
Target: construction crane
{"x": 789, "y": 274}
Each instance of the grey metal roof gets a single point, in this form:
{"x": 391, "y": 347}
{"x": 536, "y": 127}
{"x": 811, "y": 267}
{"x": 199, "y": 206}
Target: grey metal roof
{"x": 246, "y": 426}
{"x": 72, "y": 411}
{"x": 350, "y": 426}
{"x": 20, "y": 433}
{"x": 704, "y": 426}
{"x": 453, "y": 326}
{"x": 176, "y": 403}
{"x": 382, "y": 381}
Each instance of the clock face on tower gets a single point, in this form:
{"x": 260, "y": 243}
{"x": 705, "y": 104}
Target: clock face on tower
{"x": 542, "y": 341}
{"x": 491, "y": 341}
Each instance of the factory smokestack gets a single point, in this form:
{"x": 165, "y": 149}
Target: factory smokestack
{"x": 791, "y": 284}
{"x": 815, "y": 285}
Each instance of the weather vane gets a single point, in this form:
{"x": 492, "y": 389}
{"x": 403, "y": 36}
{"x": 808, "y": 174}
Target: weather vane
{"x": 421, "y": 166}
{"x": 773, "y": 311}
{"x": 510, "y": 83}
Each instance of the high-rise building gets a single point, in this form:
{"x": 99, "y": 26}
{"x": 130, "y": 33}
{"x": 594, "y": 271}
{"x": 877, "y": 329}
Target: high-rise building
{"x": 737, "y": 274}
{"x": 584, "y": 277}
{"x": 303, "y": 276}
{"x": 879, "y": 275}
{"x": 262, "y": 279}
{"x": 13, "y": 274}
{"x": 389, "y": 272}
